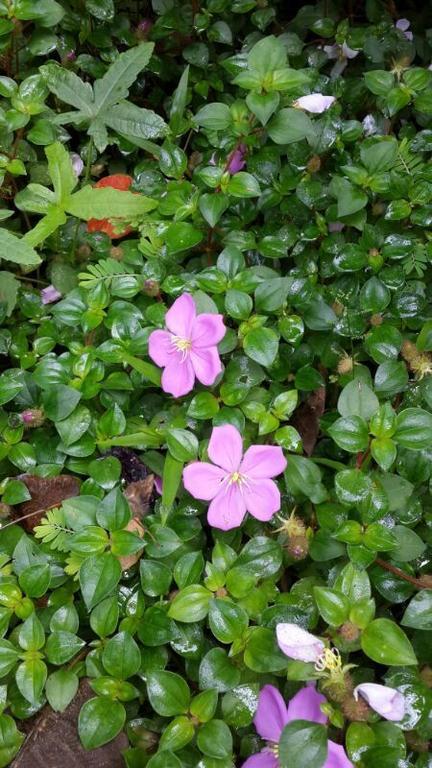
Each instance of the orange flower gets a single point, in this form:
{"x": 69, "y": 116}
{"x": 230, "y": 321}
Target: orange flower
{"x": 111, "y": 227}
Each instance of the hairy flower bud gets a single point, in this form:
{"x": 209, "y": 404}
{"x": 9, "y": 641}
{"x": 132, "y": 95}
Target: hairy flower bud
{"x": 349, "y": 632}
{"x": 345, "y": 365}
{"x": 298, "y": 547}
{"x": 32, "y": 417}
{"x": 355, "y": 710}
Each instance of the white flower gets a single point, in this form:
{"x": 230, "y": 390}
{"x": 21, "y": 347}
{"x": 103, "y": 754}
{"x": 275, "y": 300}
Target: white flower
{"x": 298, "y": 644}
{"x": 369, "y": 125}
{"x": 77, "y": 164}
{"x": 404, "y": 26}
{"x": 388, "y": 702}
{"x": 314, "y": 102}
{"x": 341, "y": 53}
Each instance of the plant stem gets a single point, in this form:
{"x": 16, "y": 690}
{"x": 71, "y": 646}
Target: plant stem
{"x": 401, "y": 574}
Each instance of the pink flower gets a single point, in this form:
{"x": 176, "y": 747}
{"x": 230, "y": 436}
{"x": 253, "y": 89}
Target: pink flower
{"x": 50, "y": 294}
{"x": 273, "y": 715}
{"x": 188, "y": 349}
{"x": 341, "y": 53}
{"x": 314, "y": 102}
{"x": 77, "y": 164}
{"x": 388, "y": 702}
{"x": 158, "y": 485}
{"x": 237, "y": 161}
{"x": 298, "y": 644}
{"x": 236, "y": 484}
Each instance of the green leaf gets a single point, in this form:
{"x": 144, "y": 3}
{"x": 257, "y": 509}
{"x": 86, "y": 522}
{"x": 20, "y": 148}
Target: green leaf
{"x": 9, "y": 656}
{"x": 60, "y": 170}
{"x": 8, "y": 291}
{"x": 267, "y": 55}
{"x": 122, "y": 73}
{"x": 168, "y": 693}
{"x": 100, "y": 720}
{"x": 213, "y": 117}
{"x": 418, "y": 614}
{"x": 386, "y": 643}
{"x": 215, "y": 740}
{"x": 98, "y": 576}
{"x": 121, "y": 656}
{"x": 379, "y": 81}
{"x": 413, "y": 429}
{"x": 68, "y": 87}
{"x": 350, "y": 433}
{"x": 30, "y": 678}
{"x": 227, "y": 620}
{"x": 17, "y": 250}
{"x": 261, "y": 345}
{"x": 10, "y": 740}
{"x": 333, "y": 606}
{"x": 379, "y": 155}
{"x": 31, "y": 635}
{"x": 303, "y": 743}
{"x": 289, "y": 126}
{"x": 357, "y": 399}
{"x": 243, "y": 185}
{"x": 190, "y": 604}
{"x": 135, "y": 122}
{"x": 409, "y": 544}
{"x": 350, "y": 199}
{"x": 182, "y": 444}
{"x": 90, "y": 202}
{"x": 62, "y": 647}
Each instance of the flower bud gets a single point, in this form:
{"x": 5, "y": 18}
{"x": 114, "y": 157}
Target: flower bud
{"x": 388, "y": 702}
{"x": 32, "y": 417}
{"x": 314, "y": 164}
{"x": 376, "y": 319}
{"x": 355, "y": 710}
{"x": 298, "y": 547}
{"x": 345, "y": 365}
{"x": 297, "y": 643}
{"x": 349, "y": 632}
{"x": 151, "y": 287}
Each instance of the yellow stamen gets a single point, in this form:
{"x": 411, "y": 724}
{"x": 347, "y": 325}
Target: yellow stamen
{"x": 235, "y": 478}
{"x": 330, "y": 661}
{"x": 183, "y": 345}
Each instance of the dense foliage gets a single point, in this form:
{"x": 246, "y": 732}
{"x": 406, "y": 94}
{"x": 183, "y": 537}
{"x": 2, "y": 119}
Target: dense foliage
{"x": 299, "y": 229}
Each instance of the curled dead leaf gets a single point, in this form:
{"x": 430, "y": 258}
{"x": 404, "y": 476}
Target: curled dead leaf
{"x": 138, "y": 495}
{"x": 46, "y": 493}
{"x": 306, "y": 419}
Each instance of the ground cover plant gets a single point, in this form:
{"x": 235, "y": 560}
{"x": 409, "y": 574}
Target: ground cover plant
{"x": 215, "y": 387}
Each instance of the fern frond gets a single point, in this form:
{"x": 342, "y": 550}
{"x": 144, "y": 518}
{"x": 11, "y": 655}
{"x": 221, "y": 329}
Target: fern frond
{"x": 104, "y": 271}
{"x": 53, "y": 531}
{"x": 407, "y": 161}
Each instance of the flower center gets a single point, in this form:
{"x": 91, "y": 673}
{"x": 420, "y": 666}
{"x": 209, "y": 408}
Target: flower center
{"x": 236, "y": 477}
{"x": 329, "y": 662}
{"x": 182, "y": 345}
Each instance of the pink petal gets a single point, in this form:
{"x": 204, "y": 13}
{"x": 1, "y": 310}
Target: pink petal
{"x": 227, "y": 509}
{"x": 180, "y": 318}
{"x": 388, "y": 702}
{"x": 178, "y": 377}
{"x": 226, "y": 447}
{"x": 336, "y": 756}
{"x": 206, "y": 364}
{"x": 305, "y": 705}
{"x": 263, "y": 461}
{"x": 262, "y": 498}
{"x": 208, "y": 330}
{"x": 263, "y": 759}
{"x": 297, "y": 643}
{"x": 203, "y": 480}
{"x": 271, "y": 715}
{"x": 160, "y": 348}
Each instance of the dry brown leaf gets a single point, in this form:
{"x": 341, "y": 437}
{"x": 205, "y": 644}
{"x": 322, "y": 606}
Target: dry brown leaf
{"x": 306, "y": 419}
{"x": 138, "y": 495}
{"x": 46, "y": 493}
{"x": 134, "y": 526}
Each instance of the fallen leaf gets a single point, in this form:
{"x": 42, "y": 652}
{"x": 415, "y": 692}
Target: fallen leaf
{"x": 138, "y": 495}
{"x": 133, "y": 468}
{"x": 46, "y": 493}
{"x": 134, "y": 526}
{"x": 306, "y": 419}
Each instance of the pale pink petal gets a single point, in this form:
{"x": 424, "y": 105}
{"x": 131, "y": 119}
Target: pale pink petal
{"x": 336, "y": 756}
{"x": 226, "y": 447}
{"x": 348, "y": 52}
{"x": 388, "y": 702}
{"x": 208, "y": 330}
{"x": 314, "y": 102}
{"x": 271, "y": 715}
{"x": 160, "y": 348}
{"x": 403, "y": 24}
{"x": 263, "y": 759}
{"x": 263, "y": 461}
{"x": 262, "y": 498}
{"x": 203, "y": 480}
{"x": 178, "y": 377}
{"x": 297, "y": 643}
{"x": 305, "y": 705}
{"x": 180, "y": 318}
{"x": 227, "y": 509}
{"x": 206, "y": 364}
